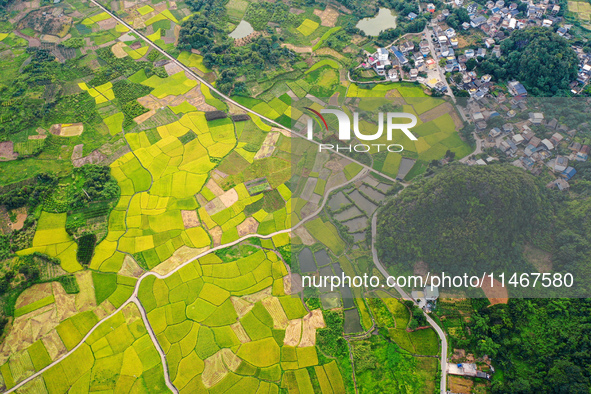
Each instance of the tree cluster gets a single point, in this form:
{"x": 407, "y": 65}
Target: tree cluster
{"x": 456, "y": 17}
{"x": 220, "y": 53}
{"x": 542, "y": 345}
{"x": 463, "y": 219}
{"x": 537, "y": 57}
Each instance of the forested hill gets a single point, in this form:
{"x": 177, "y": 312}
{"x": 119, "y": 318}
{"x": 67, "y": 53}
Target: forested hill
{"x": 542, "y": 60}
{"x": 540, "y": 345}
{"x": 462, "y": 218}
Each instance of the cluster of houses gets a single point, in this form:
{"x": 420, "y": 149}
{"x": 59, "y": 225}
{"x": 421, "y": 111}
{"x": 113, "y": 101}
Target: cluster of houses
{"x": 390, "y": 62}
{"x": 584, "y": 75}
{"x": 495, "y": 18}
{"x": 518, "y": 142}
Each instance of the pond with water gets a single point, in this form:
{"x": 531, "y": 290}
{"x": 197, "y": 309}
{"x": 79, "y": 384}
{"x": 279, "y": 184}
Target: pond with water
{"x": 242, "y": 30}
{"x": 385, "y": 19}
{"x": 306, "y": 260}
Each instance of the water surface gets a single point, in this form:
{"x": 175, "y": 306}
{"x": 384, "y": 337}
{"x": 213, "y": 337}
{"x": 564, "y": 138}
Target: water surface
{"x": 242, "y": 30}
{"x": 385, "y": 19}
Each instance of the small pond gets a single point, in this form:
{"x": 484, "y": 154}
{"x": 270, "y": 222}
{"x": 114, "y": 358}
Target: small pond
{"x": 385, "y": 19}
{"x": 242, "y": 30}
{"x": 306, "y": 260}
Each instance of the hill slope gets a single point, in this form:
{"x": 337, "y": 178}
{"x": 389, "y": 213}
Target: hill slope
{"x": 462, "y": 218}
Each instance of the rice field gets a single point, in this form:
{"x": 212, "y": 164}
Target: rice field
{"x": 52, "y": 239}
{"x": 193, "y": 60}
{"x": 217, "y": 319}
{"x": 118, "y": 355}
{"x": 308, "y": 27}
{"x": 582, "y": 11}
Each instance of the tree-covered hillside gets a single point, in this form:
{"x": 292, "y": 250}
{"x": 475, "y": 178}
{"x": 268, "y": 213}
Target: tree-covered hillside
{"x": 463, "y": 218}
{"x": 539, "y": 58}
{"x": 540, "y": 345}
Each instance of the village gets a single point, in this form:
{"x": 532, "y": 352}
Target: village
{"x": 508, "y": 126}
{"x": 442, "y": 49}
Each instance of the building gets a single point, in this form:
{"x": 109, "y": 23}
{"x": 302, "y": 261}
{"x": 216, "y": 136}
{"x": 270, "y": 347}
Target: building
{"x": 535, "y": 141}
{"x": 559, "y": 183}
{"x": 477, "y": 21}
{"x": 408, "y": 46}
{"x": 383, "y": 56}
{"x": 494, "y": 133}
{"x": 466, "y": 369}
{"x": 428, "y": 295}
{"x": 400, "y": 58}
{"x": 393, "y": 75}
{"x": 518, "y": 139}
{"x": 560, "y": 164}
{"x": 431, "y": 293}
{"x": 569, "y": 173}
{"x": 556, "y": 138}
{"x": 547, "y": 144}
{"x": 536, "y": 117}
{"x": 516, "y": 89}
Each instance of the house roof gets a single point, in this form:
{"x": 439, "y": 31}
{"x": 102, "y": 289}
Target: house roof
{"x": 569, "y": 172}
{"x": 431, "y": 292}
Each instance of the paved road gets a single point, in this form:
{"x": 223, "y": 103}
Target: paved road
{"x": 477, "y": 151}
{"x": 404, "y": 295}
{"x": 428, "y": 33}
{"x": 213, "y": 88}
{"x": 134, "y": 298}
{"x": 38, "y": 373}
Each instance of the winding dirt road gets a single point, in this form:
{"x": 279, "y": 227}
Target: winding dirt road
{"x": 134, "y": 298}
{"x": 404, "y": 295}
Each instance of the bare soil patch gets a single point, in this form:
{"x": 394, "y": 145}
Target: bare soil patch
{"x": 32, "y": 294}
{"x": 249, "y": 226}
{"x": 329, "y": 52}
{"x": 229, "y": 198}
{"x": 460, "y": 385}
{"x": 118, "y": 51}
{"x": 539, "y": 258}
{"x": 190, "y": 219}
{"x": 258, "y": 296}
{"x": 274, "y": 308}
{"x": 241, "y": 306}
{"x": 496, "y": 294}
{"x": 230, "y": 359}
{"x": 180, "y": 256}
{"x": 21, "y": 215}
{"x": 142, "y": 118}
{"x": 328, "y": 17}
{"x": 130, "y": 268}
{"x": 296, "y": 49}
{"x": 441, "y": 110}
{"x": 240, "y": 332}
{"x": 214, "y": 188}
{"x": 304, "y": 235}
{"x": 293, "y": 333}
{"x": 216, "y": 235}
{"x": 214, "y": 370}
{"x": 311, "y": 322}
{"x": 7, "y": 151}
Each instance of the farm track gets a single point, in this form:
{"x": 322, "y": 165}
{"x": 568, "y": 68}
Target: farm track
{"x": 135, "y": 300}
{"x": 404, "y": 295}
{"x": 134, "y": 297}
{"x": 226, "y": 98}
